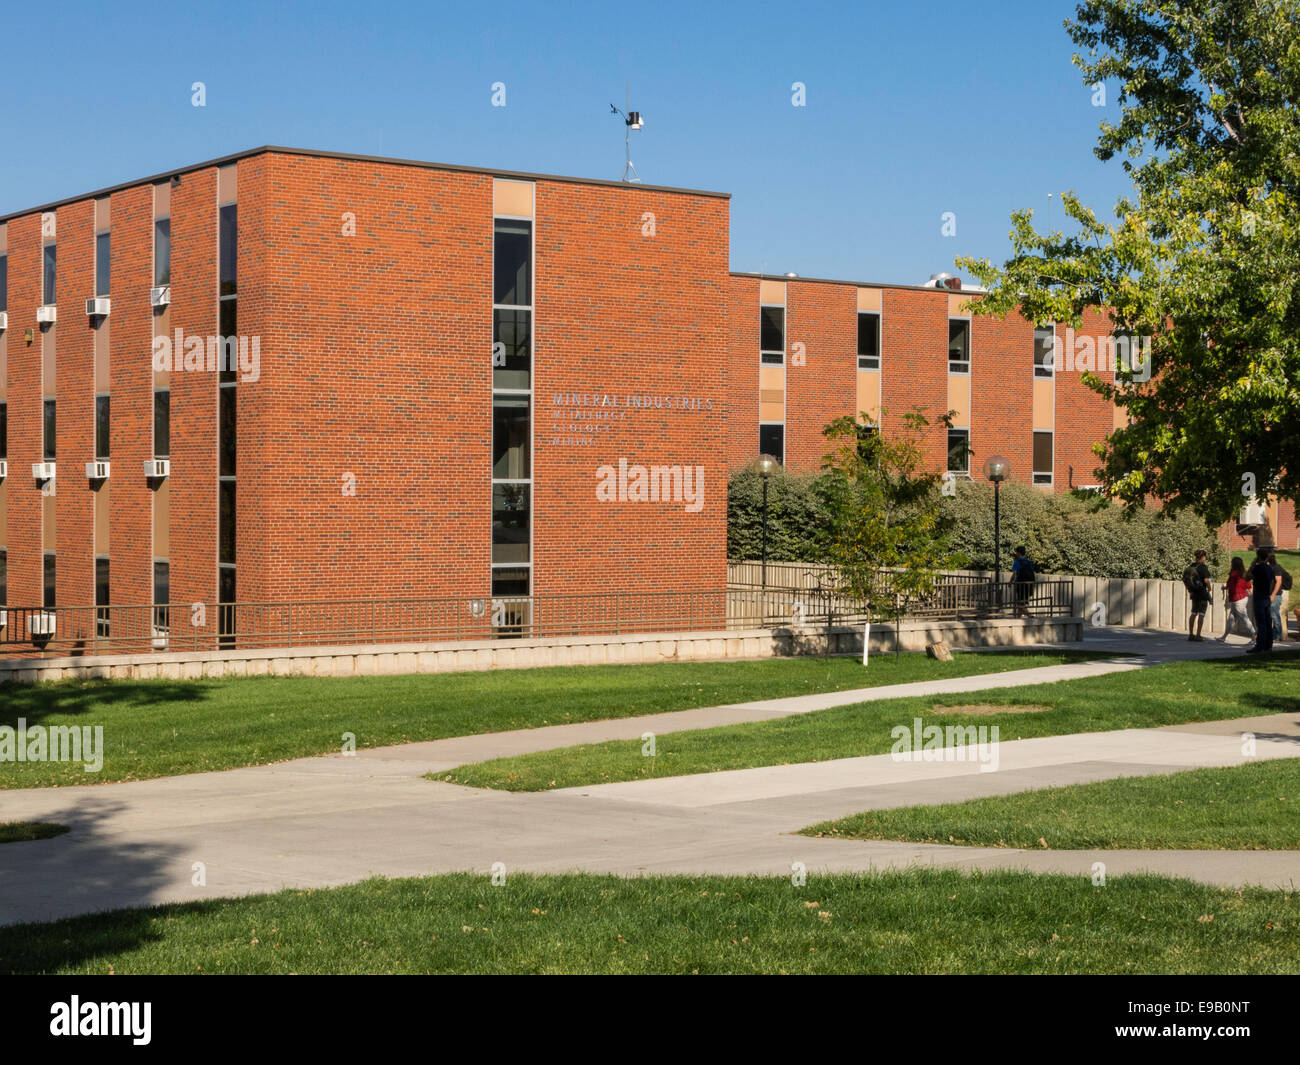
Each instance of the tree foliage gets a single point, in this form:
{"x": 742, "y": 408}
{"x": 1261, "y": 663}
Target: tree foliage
{"x": 1203, "y": 257}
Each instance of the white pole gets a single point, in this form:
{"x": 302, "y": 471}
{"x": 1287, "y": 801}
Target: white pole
{"x": 866, "y": 641}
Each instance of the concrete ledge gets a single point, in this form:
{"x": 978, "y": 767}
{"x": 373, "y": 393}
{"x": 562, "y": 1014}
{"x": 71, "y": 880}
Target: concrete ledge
{"x": 471, "y": 655}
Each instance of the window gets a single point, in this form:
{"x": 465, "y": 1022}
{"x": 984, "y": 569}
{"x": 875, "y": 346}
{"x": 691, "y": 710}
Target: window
{"x": 959, "y": 345}
{"x": 771, "y": 441}
{"x": 228, "y": 242}
{"x": 101, "y": 427}
{"x": 4, "y": 430}
{"x": 226, "y": 621}
{"x": 4, "y": 576}
{"x": 48, "y": 429}
{"x": 101, "y": 597}
{"x": 161, "y": 594}
{"x": 512, "y": 265}
{"x": 103, "y": 263}
{"x": 162, "y": 424}
{"x": 510, "y": 438}
{"x": 510, "y": 523}
{"x": 4, "y": 282}
{"x": 1042, "y": 458}
{"x": 868, "y": 341}
{"x": 227, "y": 449}
{"x": 510, "y": 581}
{"x": 48, "y": 581}
{"x": 162, "y": 252}
{"x": 959, "y": 451}
{"x": 512, "y": 345}
{"x": 1044, "y": 351}
{"x": 226, "y": 522}
{"x": 49, "y": 274}
{"x": 771, "y": 335}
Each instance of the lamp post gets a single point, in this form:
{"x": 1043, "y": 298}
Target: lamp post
{"x": 997, "y": 469}
{"x": 765, "y": 465}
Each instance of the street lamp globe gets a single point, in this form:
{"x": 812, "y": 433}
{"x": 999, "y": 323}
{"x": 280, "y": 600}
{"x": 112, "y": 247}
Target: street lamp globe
{"x": 997, "y": 468}
{"x": 765, "y": 465}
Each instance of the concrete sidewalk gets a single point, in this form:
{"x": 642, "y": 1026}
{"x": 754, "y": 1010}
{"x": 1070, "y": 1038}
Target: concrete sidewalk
{"x": 332, "y": 820}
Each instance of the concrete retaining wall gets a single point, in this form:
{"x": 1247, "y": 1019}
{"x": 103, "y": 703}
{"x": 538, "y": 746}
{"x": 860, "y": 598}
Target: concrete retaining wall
{"x": 375, "y": 660}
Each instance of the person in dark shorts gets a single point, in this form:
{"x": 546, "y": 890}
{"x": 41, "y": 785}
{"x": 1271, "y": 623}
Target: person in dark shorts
{"x": 1265, "y": 583}
{"x": 1197, "y": 580}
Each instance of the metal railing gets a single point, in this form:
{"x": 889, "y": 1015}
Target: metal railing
{"x": 145, "y": 628}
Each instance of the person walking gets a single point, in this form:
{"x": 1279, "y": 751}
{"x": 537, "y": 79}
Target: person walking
{"x": 1196, "y": 579}
{"x": 1264, "y": 584}
{"x": 1279, "y": 626}
{"x": 1237, "y": 601}
{"x": 1022, "y": 578}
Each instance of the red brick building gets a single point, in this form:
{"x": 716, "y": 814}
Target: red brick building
{"x": 447, "y": 382}
{"x": 287, "y": 376}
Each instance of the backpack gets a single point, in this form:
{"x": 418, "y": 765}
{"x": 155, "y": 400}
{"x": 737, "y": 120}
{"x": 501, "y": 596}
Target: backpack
{"x": 1286, "y": 580}
{"x": 1193, "y": 581}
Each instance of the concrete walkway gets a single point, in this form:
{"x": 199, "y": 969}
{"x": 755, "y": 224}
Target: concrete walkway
{"x": 334, "y": 820}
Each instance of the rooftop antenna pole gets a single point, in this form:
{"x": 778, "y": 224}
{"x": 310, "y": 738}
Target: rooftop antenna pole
{"x": 631, "y": 120}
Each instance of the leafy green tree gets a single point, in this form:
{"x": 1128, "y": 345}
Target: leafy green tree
{"x": 887, "y": 541}
{"x": 796, "y": 517}
{"x": 1203, "y": 257}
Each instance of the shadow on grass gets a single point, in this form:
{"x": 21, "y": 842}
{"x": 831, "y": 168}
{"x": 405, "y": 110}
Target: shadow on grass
{"x": 32, "y": 702}
{"x": 79, "y": 872}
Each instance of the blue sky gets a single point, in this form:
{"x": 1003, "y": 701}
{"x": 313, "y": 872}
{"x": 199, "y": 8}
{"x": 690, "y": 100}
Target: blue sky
{"x": 912, "y": 109}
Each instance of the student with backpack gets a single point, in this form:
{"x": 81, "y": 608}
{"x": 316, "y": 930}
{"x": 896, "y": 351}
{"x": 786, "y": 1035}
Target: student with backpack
{"x": 1022, "y": 578}
{"x": 1237, "y": 601}
{"x": 1196, "y": 579}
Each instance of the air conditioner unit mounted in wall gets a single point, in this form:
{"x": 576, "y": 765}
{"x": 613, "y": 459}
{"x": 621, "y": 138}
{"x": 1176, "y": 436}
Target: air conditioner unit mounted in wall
{"x": 97, "y": 307}
{"x": 4, "y": 469}
{"x": 1251, "y": 514}
{"x": 157, "y": 468}
{"x": 42, "y": 624}
{"x": 4, "y": 321}
{"x": 97, "y": 471}
{"x": 42, "y": 471}
{"x": 160, "y": 296}
{"x": 45, "y": 314}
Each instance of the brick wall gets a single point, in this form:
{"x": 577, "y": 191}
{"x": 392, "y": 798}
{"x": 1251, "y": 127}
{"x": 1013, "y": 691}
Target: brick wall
{"x": 24, "y": 387}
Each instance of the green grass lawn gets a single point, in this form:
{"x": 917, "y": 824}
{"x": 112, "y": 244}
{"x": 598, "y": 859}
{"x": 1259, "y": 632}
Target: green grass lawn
{"x": 1161, "y": 695}
{"x": 1289, "y": 560}
{"x": 922, "y": 921}
{"x": 161, "y": 728}
{"x": 23, "y": 831}
{"x": 1249, "y": 807}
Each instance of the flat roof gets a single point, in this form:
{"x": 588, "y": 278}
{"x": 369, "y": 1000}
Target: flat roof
{"x": 226, "y": 160}
{"x": 976, "y": 291}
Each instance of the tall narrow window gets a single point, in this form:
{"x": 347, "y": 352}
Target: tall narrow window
{"x": 1043, "y": 458}
{"x": 162, "y": 596}
{"x": 103, "y": 263}
{"x": 101, "y": 428}
{"x": 868, "y": 341}
{"x": 48, "y": 426}
{"x": 959, "y": 451}
{"x": 4, "y": 430}
{"x": 49, "y": 274}
{"x": 162, "y": 252}
{"x": 1044, "y": 351}
{"x": 771, "y": 334}
{"x": 101, "y": 597}
{"x": 4, "y": 577}
{"x": 959, "y": 345}
{"x": 48, "y": 581}
{"x": 4, "y": 282}
{"x": 227, "y": 410}
{"x": 512, "y": 323}
{"x": 771, "y": 441}
{"x": 162, "y": 423}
